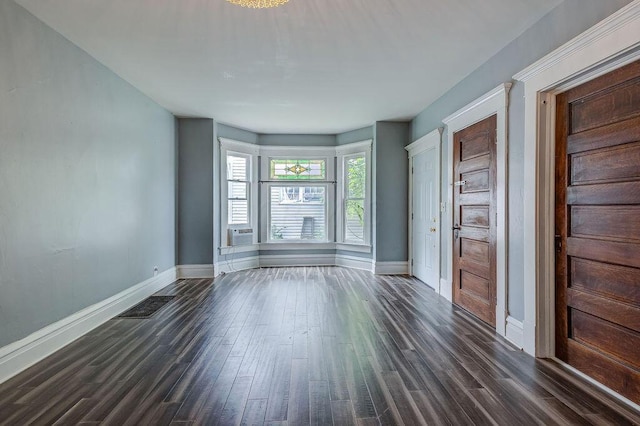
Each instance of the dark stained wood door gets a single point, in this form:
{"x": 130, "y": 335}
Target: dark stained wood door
{"x": 598, "y": 229}
{"x": 474, "y": 233}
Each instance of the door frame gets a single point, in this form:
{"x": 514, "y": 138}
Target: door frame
{"x": 610, "y": 44}
{"x": 496, "y": 102}
{"x": 432, "y": 140}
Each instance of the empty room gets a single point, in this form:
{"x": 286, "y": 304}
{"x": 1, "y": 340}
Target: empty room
{"x": 319, "y": 212}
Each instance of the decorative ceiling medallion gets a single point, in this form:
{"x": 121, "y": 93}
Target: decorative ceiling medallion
{"x": 297, "y": 169}
{"x": 258, "y": 4}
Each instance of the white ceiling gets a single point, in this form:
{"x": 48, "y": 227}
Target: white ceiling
{"x": 310, "y": 66}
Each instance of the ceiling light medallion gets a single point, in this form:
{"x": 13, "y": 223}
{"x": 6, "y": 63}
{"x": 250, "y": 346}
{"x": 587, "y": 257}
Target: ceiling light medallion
{"x": 258, "y": 4}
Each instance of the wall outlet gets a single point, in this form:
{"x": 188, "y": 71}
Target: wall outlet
{"x": 155, "y": 271}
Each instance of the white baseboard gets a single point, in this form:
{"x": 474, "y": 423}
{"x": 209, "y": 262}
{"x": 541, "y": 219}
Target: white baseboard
{"x": 515, "y": 332}
{"x": 195, "y": 271}
{"x": 354, "y": 262}
{"x": 529, "y": 341}
{"x": 446, "y": 290}
{"x": 237, "y": 264}
{"x": 22, "y": 354}
{"x": 391, "y": 268}
{"x": 276, "y": 260}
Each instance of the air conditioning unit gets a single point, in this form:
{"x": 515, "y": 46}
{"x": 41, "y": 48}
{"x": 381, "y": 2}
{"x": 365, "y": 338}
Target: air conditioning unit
{"x": 240, "y": 237}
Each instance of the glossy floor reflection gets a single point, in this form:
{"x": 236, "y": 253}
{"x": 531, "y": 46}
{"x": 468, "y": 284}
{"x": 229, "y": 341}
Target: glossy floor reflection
{"x": 301, "y": 346}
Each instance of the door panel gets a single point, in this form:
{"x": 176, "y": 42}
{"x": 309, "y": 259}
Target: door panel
{"x": 598, "y": 229}
{"x": 474, "y": 246}
{"x": 425, "y": 203}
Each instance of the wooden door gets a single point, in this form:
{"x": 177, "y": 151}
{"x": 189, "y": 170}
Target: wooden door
{"x": 474, "y": 230}
{"x": 425, "y": 213}
{"x": 598, "y": 229}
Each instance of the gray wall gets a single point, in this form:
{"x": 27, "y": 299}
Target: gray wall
{"x": 355, "y": 136}
{"x": 195, "y": 191}
{"x": 87, "y": 179}
{"x": 230, "y": 132}
{"x": 297, "y": 140}
{"x": 569, "y": 19}
{"x": 391, "y": 174}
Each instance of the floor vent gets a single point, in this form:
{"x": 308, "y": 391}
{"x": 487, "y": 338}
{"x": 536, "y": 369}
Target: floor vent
{"x": 147, "y": 307}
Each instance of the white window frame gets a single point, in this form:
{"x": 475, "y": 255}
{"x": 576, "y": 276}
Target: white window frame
{"x": 343, "y": 154}
{"x": 249, "y": 151}
{"x": 312, "y": 153}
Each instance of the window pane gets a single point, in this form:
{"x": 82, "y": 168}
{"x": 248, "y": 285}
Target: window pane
{"x": 237, "y": 190}
{"x": 238, "y": 212}
{"x": 298, "y": 213}
{"x": 356, "y": 177}
{"x": 354, "y": 220}
{"x": 237, "y": 168}
{"x": 288, "y": 169}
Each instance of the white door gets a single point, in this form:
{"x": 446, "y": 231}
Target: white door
{"x": 426, "y": 217}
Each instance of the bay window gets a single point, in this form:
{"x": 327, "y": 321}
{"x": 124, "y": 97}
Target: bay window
{"x": 320, "y": 196}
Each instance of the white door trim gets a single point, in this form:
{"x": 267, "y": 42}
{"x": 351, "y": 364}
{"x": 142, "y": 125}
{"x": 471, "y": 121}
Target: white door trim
{"x": 608, "y": 45}
{"x": 432, "y": 140}
{"x": 494, "y": 102}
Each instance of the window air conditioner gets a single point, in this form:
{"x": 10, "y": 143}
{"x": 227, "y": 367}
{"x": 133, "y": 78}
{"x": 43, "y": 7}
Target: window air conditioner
{"x": 240, "y": 237}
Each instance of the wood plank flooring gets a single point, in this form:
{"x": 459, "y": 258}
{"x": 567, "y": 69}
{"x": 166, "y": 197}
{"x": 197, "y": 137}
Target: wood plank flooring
{"x": 297, "y": 346}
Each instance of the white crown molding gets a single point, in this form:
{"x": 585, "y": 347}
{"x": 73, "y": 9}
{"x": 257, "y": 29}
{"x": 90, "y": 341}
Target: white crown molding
{"x": 234, "y": 145}
{"x": 622, "y": 17}
{"x": 250, "y": 148}
{"x": 354, "y": 147}
{"x": 515, "y": 332}
{"x": 497, "y": 94}
{"x": 22, "y": 354}
{"x": 426, "y": 142}
{"x": 195, "y": 271}
{"x": 391, "y": 268}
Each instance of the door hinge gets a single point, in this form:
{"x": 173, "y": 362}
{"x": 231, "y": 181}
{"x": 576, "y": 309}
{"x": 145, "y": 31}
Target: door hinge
{"x": 411, "y": 262}
{"x": 411, "y": 216}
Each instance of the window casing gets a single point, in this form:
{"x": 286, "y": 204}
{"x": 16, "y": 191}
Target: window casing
{"x": 297, "y": 192}
{"x": 302, "y": 196}
{"x": 353, "y": 215}
{"x": 238, "y": 189}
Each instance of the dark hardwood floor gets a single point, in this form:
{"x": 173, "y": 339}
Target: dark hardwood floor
{"x": 296, "y": 346}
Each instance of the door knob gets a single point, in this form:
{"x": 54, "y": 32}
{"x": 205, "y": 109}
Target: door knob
{"x": 455, "y": 228}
